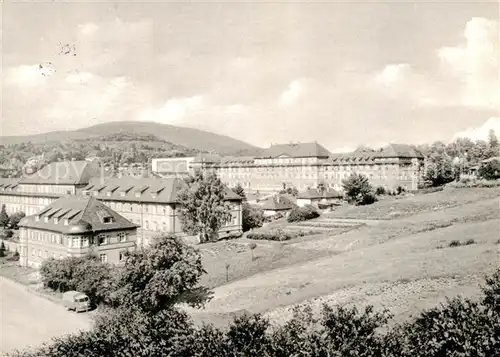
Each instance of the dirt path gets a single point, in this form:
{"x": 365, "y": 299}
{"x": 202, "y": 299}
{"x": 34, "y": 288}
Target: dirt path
{"x": 29, "y": 320}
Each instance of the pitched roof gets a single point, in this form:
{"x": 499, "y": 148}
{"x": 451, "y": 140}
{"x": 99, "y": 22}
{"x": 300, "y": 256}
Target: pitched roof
{"x": 129, "y": 189}
{"x": 64, "y": 173}
{"x": 298, "y": 150}
{"x": 84, "y": 215}
{"x": 400, "y": 150}
{"x": 8, "y": 183}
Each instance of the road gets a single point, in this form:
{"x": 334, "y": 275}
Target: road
{"x": 29, "y": 320}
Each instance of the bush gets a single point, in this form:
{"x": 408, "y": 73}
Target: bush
{"x": 455, "y": 243}
{"x": 469, "y": 242}
{"x": 380, "y": 191}
{"x": 280, "y": 235}
{"x": 368, "y": 199}
{"x": 14, "y": 257}
{"x": 252, "y": 217}
{"x": 458, "y": 327}
{"x": 475, "y": 184}
{"x": 15, "y": 218}
{"x": 298, "y": 214}
{"x": 84, "y": 274}
{"x": 7, "y": 234}
{"x": 490, "y": 170}
{"x": 275, "y": 235}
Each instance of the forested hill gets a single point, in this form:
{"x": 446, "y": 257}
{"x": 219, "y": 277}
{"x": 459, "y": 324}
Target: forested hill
{"x": 194, "y": 139}
{"x": 118, "y": 148}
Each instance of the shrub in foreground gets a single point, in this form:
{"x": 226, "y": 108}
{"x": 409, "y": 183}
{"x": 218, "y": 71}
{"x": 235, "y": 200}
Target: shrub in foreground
{"x": 457, "y": 328}
{"x": 298, "y": 214}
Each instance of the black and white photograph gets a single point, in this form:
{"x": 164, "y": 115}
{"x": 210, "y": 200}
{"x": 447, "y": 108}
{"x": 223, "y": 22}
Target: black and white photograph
{"x": 250, "y": 178}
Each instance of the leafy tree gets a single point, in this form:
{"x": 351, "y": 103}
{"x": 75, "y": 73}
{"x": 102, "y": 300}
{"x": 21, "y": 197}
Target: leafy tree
{"x": 490, "y": 170}
{"x": 94, "y": 278}
{"x": 240, "y": 191}
{"x": 15, "y": 218}
{"x": 439, "y": 169}
{"x": 4, "y": 218}
{"x": 2, "y": 250}
{"x": 493, "y": 145}
{"x": 86, "y": 274}
{"x": 358, "y": 189}
{"x": 252, "y": 217}
{"x": 204, "y": 209}
{"x": 157, "y": 278}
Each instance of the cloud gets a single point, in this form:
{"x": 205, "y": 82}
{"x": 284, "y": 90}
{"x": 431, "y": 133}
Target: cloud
{"x": 393, "y": 74}
{"x": 174, "y": 111}
{"x": 26, "y": 76}
{"x": 481, "y": 132}
{"x": 102, "y": 98}
{"x": 292, "y": 93}
{"x": 79, "y": 77}
{"x": 475, "y": 64}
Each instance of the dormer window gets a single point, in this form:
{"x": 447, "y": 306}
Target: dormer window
{"x": 37, "y": 218}
{"x": 45, "y": 219}
{"x": 56, "y": 220}
{"x": 86, "y": 193}
{"x": 108, "y": 220}
{"x": 66, "y": 221}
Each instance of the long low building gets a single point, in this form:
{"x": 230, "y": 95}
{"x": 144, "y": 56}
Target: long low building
{"x": 309, "y": 165}
{"x": 150, "y": 203}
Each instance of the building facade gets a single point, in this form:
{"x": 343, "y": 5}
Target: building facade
{"x": 307, "y": 165}
{"x": 150, "y": 203}
{"x": 74, "y": 226}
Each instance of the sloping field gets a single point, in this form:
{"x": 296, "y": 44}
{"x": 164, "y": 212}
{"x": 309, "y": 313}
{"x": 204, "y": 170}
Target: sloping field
{"x": 395, "y": 207}
{"x": 403, "y": 264}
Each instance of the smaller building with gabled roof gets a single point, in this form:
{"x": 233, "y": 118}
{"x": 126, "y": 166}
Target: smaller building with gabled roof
{"x": 75, "y": 226}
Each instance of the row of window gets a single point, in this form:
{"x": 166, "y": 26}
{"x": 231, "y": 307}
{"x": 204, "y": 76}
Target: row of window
{"x": 44, "y": 254}
{"x": 136, "y": 207}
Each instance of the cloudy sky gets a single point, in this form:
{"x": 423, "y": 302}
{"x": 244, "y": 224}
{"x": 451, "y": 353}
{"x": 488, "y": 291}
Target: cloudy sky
{"x": 341, "y": 73}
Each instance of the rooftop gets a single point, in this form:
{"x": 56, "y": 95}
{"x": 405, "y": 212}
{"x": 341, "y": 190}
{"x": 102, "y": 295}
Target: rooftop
{"x": 64, "y": 173}
{"x": 299, "y": 150}
{"x": 77, "y": 215}
{"x": 277, "y": 203}
{"x": 159, "y": 190}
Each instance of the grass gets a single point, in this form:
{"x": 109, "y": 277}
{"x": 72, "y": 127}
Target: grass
{"x": 397, "y": 207}
{"x": 393, "y": 264}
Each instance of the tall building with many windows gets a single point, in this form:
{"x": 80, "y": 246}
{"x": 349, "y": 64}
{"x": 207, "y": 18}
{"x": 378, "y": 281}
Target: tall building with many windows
{"x": 151, "y": 203}
{"x": 307, "y": 165}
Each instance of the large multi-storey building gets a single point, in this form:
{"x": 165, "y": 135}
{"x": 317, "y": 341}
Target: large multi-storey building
{"x": 75, "y": 226}
{"x": 150, "y": 203}
{"x": 308, "y": 165}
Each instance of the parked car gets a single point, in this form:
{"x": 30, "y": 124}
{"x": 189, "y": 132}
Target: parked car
{"x": 74, "y": 300}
